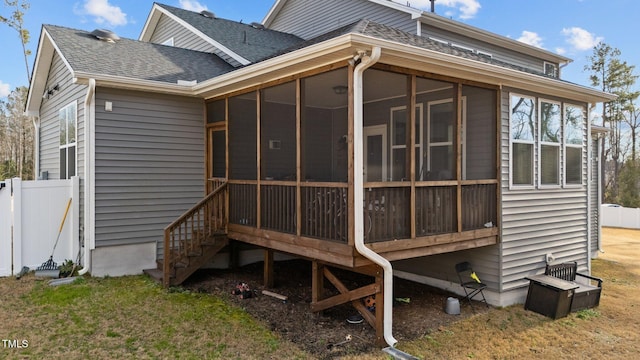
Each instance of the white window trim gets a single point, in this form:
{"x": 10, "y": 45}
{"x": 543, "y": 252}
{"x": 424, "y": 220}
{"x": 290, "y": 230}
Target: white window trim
{"x": 68, "y": 145}
{"x": 513, "y": 186}
{"x": 547, "y": 143}
{"x": 566, "y": 145}
{"x": 419, "y": 141}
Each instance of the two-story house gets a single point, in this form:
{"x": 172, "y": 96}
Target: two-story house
{"x": 360, "y": 134}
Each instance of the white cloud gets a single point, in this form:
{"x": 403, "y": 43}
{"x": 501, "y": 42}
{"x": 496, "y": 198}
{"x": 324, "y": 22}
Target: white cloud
{"x": 192, "y": 5}
{"x": 561, "y": 51}
{"x": 581, "y": 39}
{"x": 467, "y": 8}
{"x": 531, "y": 38}
{"x": 5, "y": 89}
{"x": 103, "y": 12}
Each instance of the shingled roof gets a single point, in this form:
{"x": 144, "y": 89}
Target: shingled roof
{"x": 253, "y": 43}
{"x": 384, "y": 32}
{"x": 134, "y": 59}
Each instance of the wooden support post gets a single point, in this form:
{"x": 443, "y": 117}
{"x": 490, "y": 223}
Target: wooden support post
{"x": 317, "y": 282}
{"x": 268, "y": 268}
{"x": 380, "y": 308}
{"x": 234, "y": 254}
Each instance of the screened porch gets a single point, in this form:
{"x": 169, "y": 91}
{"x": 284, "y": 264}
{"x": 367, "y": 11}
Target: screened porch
{"x": 286, "y": 152}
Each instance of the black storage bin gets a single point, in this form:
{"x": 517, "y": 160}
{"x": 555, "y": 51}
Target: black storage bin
{"x": 549, "y": 296}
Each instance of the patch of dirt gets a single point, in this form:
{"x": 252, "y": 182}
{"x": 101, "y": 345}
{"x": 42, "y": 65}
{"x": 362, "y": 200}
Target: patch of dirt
{"x": 324, "y": 334}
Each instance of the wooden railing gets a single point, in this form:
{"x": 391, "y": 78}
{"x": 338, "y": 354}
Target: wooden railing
{"x": 324, "y": 209}
{"x": 195, "y": 227}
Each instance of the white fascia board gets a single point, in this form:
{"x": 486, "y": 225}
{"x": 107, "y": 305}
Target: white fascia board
{"x": 204, "y": 37}
{"x": 150, "y": 24}
{"x": 455, "y": 66}
{"x": 121, "y": 82}
{"x": 275, "y": 9}
{"x": 46, "y": 49}
{"x": 489, "y": 37}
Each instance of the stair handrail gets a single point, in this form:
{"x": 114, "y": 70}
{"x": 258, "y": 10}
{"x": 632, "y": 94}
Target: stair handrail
{"x": 219, "y": 225}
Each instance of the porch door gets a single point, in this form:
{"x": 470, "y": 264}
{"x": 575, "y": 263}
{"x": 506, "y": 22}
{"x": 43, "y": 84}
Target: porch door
{"x": 375, "y": 153}
{"x": 217, "y": 156}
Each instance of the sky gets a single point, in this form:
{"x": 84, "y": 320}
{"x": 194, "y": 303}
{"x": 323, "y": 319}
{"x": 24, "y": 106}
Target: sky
{"x": 567, "y": 27}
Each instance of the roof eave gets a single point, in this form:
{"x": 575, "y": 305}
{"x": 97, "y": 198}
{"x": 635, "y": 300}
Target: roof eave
{"x": 128, "y": 83}
{"x": 151, "y": 23}
{"x": 44, "y": 56}
{"x": 456, "y": 66}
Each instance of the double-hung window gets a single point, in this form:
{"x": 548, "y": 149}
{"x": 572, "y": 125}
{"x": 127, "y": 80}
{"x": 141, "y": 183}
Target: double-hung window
{"x": 550, "y": 141}
{"x": 522, "y": 129}
{"x": 573, "y": 129}
{"x": 68, "y": 117}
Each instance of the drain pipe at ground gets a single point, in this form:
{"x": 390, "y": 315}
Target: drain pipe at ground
{"x": 358, "y": 186}
{"x": 89, "y": 111}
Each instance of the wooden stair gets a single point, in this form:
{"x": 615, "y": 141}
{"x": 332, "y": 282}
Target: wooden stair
{"x": 185, "y": 266}
{"x": 192, "y": 240}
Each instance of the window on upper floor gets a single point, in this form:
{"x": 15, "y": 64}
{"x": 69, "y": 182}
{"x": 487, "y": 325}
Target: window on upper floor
{"x": 68, "y": 119}
{"x": 551, "y": 69}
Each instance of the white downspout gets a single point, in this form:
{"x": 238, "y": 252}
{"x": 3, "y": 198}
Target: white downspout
{"x": 89, "y": 137}
{"x": 358, "y": 188}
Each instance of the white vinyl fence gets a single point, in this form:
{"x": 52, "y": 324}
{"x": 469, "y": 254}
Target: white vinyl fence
{"x": 621, "y": 217}
{"x": 31, "y": 214}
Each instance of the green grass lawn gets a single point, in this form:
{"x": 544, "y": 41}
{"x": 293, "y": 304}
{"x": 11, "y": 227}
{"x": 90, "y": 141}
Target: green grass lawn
{"x": 127, "y": 317}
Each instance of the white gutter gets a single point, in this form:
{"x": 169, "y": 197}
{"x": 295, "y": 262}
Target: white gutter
{"x": 358, "y": 188}
{"x": 89, "y": 170}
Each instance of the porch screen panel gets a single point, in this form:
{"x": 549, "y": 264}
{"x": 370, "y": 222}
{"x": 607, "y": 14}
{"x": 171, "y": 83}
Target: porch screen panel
{"x": 218, "y": 161}
{"x": 386, "y": 122}
{"x": 243, "y": 137}
{"x": 479, "y": 134}
{"x": 435, "y": 136}
{"x": 278, "y": 132}
{"x": 324, "y": 127}
{"x": 216, "y": 111}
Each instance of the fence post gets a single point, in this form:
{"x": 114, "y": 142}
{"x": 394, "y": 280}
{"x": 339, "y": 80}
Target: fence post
{"x": 17, "y": 225}
{"x": 5, "y": 229}
{"x": 74, "y": 247}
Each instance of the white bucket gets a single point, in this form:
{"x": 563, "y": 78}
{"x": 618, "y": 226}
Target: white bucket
{"x": 453, "y": 306}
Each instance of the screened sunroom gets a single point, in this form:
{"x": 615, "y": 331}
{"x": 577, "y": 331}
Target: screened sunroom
{"x": 285, "y": 151}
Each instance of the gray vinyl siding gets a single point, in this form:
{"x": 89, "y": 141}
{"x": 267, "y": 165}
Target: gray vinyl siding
{"x": 167, "y": 28}
{"x": 310, "y": 18}
{"x": 498, "y": 53}
{"x": 539, "y": 221}
{"x": 184, "y": 38}
{"x": 149, "y": 164}
{"x": 49, "y": 150}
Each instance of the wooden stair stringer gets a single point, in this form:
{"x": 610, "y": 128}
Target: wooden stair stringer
{"x": 196, "y": 261}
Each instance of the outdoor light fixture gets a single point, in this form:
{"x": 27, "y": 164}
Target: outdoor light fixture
{"x": 48, "y": 92}
{"x": 340, "y": 89}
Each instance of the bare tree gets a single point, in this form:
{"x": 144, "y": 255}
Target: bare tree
{"x": 16, "y": 22}
{"x": 613, "y": 75}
